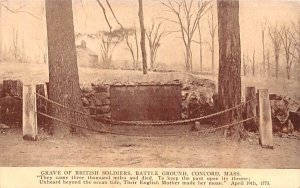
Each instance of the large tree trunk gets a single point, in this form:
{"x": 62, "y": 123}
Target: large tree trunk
{"x": 63, "y": 71}
{"x": 143, "y": 37}
{"x": 229, "y": 84}
{"x": 1, "y": 55}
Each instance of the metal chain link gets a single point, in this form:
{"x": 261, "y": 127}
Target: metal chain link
{"x": 185, "y": 121}
{"x": 148, "y": 136}
{"x": 160, "y": 123}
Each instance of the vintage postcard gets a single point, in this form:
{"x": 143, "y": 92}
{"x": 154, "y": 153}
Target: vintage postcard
{"x": 149, "y": 93}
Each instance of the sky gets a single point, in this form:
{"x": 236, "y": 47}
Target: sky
{"x": 88, "y": 18}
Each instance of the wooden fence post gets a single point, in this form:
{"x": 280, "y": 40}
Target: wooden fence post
{"x": 265, "y": 121}
{"x": 251, "y": 109}
{"x": 29, "y": 112}
{"x": 45, "y": 90}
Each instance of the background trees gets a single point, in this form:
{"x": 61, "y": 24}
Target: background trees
{"x": 212, "y": 32}
{"x": 286, "y": 37}
{"x": 85, "y": 19}
{"x": 275, "y": 34}
{"x": 108, "y": 42}
{"x": 263, "y": 31}
{"x": 133, "y": 46}
{"x": 154, "y": 35}
{"x": 296, "y": 41}
{"x": 17, "y": 50}
{"x": 200, "y": 42}
{"x": 187, "y": 19}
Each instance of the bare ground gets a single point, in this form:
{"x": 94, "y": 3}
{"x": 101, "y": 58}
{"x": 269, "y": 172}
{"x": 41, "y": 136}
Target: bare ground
{"x": 210, "y": 150}
{"x": 203, "y": 150}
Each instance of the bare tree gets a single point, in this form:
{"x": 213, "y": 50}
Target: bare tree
{"x": 229, "y": 80}
{"x": 18, "y": 10}
{"x": 287, "y": 43}
{"x": 212, "y": 31}
{"x": 23, "y": 58}
{"x": 143, "y": 37}
{"x": 137, "y": 49}
{"x": 251, "y": 62}
{"x": 275, "y": 34}
{"x": 113, "y": 13}
{"x": 263, "y": 31}
{"x": 105, "y": 14}
{"x": 268, "y": 60}
{"x": 187, "y": 20}
{"x": 296, "y": 40}
{"x": 15, "y": 47}
{"x": 154, "y": 35}
{"x": 200, "y": 41}
{"x": 108, "y": 43}
{"x": 134, "y": 51}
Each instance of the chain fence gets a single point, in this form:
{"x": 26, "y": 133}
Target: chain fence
{"x": 105, "y": 122}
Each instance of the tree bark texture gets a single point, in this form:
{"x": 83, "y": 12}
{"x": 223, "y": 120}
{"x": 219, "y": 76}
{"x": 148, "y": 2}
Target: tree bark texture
{"x": 63, "y": 71}
{"x": 1, "y": 55}
{"x": 244, "y": 65}
{"x": 229, "y": 81}
{"x": 143, "y": 37}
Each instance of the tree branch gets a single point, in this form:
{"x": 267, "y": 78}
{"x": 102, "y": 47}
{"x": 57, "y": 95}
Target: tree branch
{"x": 18, "y": 10}
{"x": 113, "y": 13}
{"x": 105, "y": 16}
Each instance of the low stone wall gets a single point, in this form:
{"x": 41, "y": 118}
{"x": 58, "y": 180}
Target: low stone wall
{"x": 197, "y": 97}
{"x": 96, "y": 100}
{"x": 197, "y": 100}
{"x": 285, "y": 114}
{"x": 10, "y": 103}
